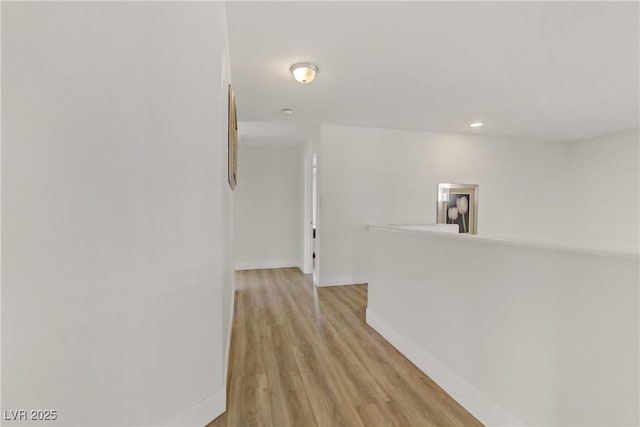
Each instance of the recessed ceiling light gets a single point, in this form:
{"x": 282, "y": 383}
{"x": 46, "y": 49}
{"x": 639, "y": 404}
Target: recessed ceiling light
{"x": 476, "y": 124}
{"x": 287, "y": 111}
{"x": 304, "y": 72}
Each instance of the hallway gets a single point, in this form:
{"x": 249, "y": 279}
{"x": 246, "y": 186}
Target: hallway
{"x": 302, "y": 356}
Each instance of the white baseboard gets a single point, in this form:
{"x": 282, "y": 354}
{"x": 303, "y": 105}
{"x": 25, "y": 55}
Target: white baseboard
{"x": 203, "y": 412}
{"x": 478, "y": 404}
{"x": 341, "y": 281}
{"x": 264, "y": 265}
{"x": 228, "y": 352}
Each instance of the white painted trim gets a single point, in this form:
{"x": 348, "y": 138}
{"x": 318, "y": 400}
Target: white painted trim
{"x": 203, "y": 412}
{"x": 228, "y": 352}
{"x": 542, "y": 245}
{"x": 265, "y": 265}
{"x": 341, "y": 281}
{"x": 474, "y": 401}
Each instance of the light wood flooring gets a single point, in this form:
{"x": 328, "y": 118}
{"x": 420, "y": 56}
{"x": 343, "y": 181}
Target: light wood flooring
{"x": 303, "y": 356}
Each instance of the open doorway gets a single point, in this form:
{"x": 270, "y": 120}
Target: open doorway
{"x": 314, "y": 217}
{"x": 311, "y": 220}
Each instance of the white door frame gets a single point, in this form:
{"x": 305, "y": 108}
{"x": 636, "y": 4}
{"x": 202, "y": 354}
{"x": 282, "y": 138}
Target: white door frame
{"x": 308, "y": 217}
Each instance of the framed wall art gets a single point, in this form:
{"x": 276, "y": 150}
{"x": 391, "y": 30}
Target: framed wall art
{"x": 233, "y": 141}
{"x": 458, "y": 204}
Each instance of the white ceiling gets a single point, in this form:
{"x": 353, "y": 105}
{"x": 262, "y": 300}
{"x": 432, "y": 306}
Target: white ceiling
{"x": 537, "y": 71}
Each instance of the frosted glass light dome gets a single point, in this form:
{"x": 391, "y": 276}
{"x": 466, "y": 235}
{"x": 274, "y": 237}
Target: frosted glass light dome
{"x": 304, "y": 72}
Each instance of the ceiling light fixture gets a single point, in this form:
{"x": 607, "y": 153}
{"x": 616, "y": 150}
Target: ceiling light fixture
{"x": 304, "y": 72}
{"x": 476, "y": 124}
{"x": 287, "y": 111}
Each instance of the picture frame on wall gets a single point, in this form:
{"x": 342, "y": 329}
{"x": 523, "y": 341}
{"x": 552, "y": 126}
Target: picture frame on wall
{"x": 458, "y": 204}
{"x": 232, "y": 140}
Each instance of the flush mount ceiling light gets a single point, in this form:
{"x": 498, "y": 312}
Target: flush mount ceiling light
{"x": 304, "y": 72}
{"x": 476, "y": 124}
{"x": 287, "y": 111}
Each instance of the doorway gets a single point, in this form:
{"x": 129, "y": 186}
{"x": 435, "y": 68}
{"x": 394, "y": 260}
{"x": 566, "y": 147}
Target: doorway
{"x": 311, "y": 220}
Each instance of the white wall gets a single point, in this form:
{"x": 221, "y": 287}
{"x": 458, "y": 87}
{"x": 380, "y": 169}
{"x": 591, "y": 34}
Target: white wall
{"x": 227, "y": 205}
{"x": 603, "y": 192}
{"x": 382, "y": 176}
{"x": 269, "y": 207}
{"x": 116, "y": 221}
{"x": 517, "y": 333}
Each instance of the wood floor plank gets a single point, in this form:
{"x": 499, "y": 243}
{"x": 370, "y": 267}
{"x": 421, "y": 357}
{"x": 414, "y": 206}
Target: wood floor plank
{"x": 250, "y": 395}
{"x": 371, "y": 414}
{"x": 332, "y": 405}
{"x": 303, "y": 356}
{"x": 293, "y": 402}
{"x": 388, "y": 414}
